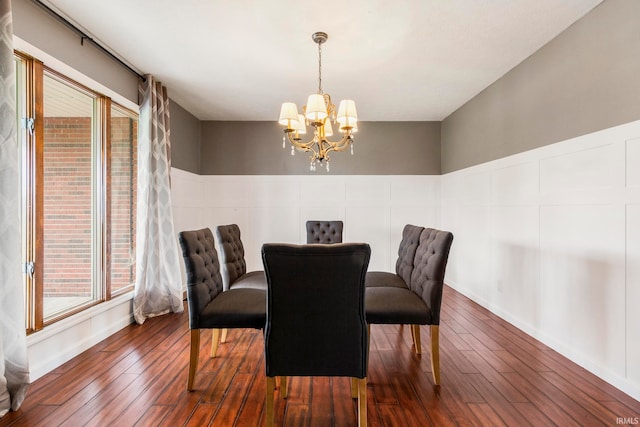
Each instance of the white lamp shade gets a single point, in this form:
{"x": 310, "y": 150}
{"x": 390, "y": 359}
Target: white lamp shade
{"x": 301, "y": 127}
{"x": 288, "y": 115}
{"x": 347, "y": 112}
{"x": 316, "y": 110}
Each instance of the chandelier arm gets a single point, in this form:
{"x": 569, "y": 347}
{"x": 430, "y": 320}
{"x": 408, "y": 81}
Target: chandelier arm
{"x": 341, "y": 145}
{"x": 302, "y": 146}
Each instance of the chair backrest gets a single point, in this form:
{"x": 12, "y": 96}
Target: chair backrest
{"x": 204, "y": 282}
{"x": 324, "y": 231}
{"x": 315, "y": 309}
{"x": 407, "y": 251}
{"x": 427, "y": 279}
{"x": 231, "y": 253}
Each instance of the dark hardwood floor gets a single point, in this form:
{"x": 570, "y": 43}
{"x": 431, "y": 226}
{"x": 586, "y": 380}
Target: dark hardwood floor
{"x": 492, "y": 375}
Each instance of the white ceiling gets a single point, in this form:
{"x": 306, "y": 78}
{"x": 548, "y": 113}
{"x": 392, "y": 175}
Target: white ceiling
{"x": 398, "y": 59}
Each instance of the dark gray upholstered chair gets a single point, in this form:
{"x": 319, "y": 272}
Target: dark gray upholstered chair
{"x": 414, "y": 297}
{"x": 209, "y": 306}
{"x": 315, "y": 316}
{"x": 233, "y": 265}
{"x": 324, "y": 231}
{"x": 404, "y": 264}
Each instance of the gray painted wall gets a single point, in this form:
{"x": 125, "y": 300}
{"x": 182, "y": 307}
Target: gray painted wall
{"x": 185, "y": 139}
{"x": 38, "y": 28}
{"x": 586, "y": 79}
{"x": 34, "y": 25}
{"x": 380, "y": 148}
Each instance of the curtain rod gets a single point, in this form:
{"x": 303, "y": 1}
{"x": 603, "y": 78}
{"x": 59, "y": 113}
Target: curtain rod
{"x": 84, "y": 36}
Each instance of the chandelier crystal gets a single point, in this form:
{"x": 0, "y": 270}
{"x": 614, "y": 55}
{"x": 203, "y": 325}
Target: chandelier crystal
{"x": 319, "y": 113}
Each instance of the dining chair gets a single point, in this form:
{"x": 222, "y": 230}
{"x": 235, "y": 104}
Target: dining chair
{"x": 324, "y": 231}
{"x": 391, "y": 300}
{"x": 209, "y": 306}
{"x": 315, "y": 324}
{"x": 427, "y": 281}
{"x": 404, "y": 264}
{"x": 233, "y": 265}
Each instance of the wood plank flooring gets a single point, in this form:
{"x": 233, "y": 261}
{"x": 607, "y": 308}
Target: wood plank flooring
{"x": 492, "y": 375}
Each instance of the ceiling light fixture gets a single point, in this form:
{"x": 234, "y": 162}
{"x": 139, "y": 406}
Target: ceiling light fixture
{"x": 319, "y": 113}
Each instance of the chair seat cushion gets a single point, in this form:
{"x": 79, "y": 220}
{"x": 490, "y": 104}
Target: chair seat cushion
{"x": 392, "y": 305}
{"x": 235, "y": 308}
{"x": 251, "y": 280}
{"x": 385, "y": 279}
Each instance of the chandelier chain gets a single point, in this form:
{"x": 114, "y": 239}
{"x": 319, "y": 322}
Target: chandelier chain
{"x": 320, "y": 68}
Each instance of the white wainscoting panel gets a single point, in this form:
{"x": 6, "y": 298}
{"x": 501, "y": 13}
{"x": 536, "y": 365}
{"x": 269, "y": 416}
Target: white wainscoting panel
{"x": 582, "y": 276}
{"x": 586, "y": 169}
{"x": 515, "y": 185}
{"x": 275, "y": 208}
{"x": 549, "y": 239}
{"x": 633, "y": 160}
{"x": 514, "y": 261}
{"x": 633, "y": 292}
{"x": 371, "y": 225}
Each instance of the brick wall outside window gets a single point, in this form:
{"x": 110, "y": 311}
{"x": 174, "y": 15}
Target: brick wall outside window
{"x": 124, "y": 180}
{"x": 68, "y": 205}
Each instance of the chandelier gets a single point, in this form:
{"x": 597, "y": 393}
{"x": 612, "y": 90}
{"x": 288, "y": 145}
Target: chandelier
{"x": 319, "y": 113}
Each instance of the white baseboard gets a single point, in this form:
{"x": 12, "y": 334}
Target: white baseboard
{"x": 62, "y": 341}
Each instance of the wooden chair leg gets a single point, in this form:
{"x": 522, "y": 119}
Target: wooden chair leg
{"x": 354, "y": 388}
{"x": 283, "y": 387}
{"x": 193, "y": 357}
{"x": 435, "y": 354}
{"x": 223, "y": 338}
{"x": 271, "y": 386}
{"x": 215, "y": 339}
{"x": 415, "y": 332}
{"x": 362, "y": 402}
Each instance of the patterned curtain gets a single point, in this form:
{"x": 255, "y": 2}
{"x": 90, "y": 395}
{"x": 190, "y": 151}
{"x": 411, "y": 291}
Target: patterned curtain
{"x": 14, "y": 364}
{"x": 158, "y": 278}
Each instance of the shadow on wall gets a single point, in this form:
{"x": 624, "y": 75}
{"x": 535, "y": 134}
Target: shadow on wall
{"x": 575, "y": 300}
{"x": 584, "y": 305}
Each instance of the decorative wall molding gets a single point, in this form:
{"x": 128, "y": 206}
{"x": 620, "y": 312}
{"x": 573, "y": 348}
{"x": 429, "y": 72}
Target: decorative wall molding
{"x": 549, "y": 239}
{"x": 275, "y": 208}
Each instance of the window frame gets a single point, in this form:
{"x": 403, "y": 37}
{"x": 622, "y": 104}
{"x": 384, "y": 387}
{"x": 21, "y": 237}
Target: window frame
{"x": 32, "y": 183}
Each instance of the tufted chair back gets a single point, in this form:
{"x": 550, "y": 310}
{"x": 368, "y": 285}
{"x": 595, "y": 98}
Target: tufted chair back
{"x": 231, "y": 253}
{"x": 427, "y": 278}
{"x": 316, "y": 316}
{"x": 204, "y": 282}
{"x": 407, "y": 251}
{"x": 315, "y": 309}
{"x": 324, "y": 231}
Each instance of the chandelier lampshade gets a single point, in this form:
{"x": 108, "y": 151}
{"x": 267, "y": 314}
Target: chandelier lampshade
{"x": 347, "y": 113}
{"x": 288, "y": 115}
{"x": 316, "y": 110}
{"x": 319, "y": 113}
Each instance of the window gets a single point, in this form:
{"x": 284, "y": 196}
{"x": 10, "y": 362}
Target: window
{"x": 69, "y": 191}
{"x": 123, "y": 178}
{"x": 78, "y": 169}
